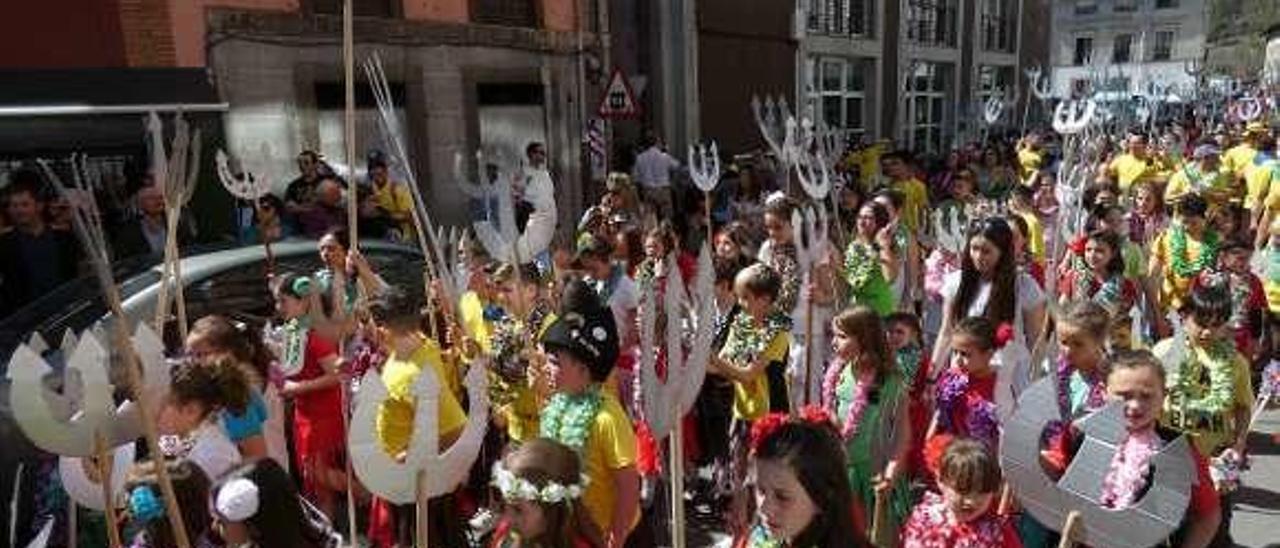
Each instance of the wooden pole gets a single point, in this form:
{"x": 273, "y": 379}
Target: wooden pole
{"x": 72, "y": 524}
{"x": 353, "y": 198}
{"x": 878, "y": 516}
{"x": 423, "y": 529}
{"x": 1070, "y": 530}
{"x": 104, "y": 464}
{"x": 676, "y": 446}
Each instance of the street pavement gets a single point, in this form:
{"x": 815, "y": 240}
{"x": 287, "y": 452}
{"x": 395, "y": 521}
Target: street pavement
{"x": 1256, "y": 519}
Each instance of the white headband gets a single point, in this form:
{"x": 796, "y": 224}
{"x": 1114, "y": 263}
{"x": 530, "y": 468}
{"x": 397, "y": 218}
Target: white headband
{"x": 514, "y": 487}
{"x": 237, "y": 500}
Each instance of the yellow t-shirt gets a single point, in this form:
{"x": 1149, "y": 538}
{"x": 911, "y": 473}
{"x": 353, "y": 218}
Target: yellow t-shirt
{"x": 1258, "y": 179}
{"x": 867, "y": 161}
{"x": 522, "y": 413}
{"x": 471, "y": 311}
{"x": 1035, "y": 235}
{"x": 1237, "y": 158}
{"x": 751, "y": 399}
{"x": 1218, "y": 187}
{"x": 395, "y": 199}
{"x": 1030, "y": 161}
{"x": 1130, "y": 169}
{"x": 610, "y": 446}
{"x": 916, "y": 201}
{"x": 1208, "y": 438}
{"x": 395, "y": 416}
{"x": 1174, "y": 288}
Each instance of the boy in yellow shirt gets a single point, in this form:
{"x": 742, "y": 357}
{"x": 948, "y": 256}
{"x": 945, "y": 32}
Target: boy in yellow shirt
{"x": 1238, "y": 158}
{"x": 396, "y": 313}
{"x": 753, "y": 357}
{"x": 1136, "y": 164}
{"x": 581, "y": 348}
{"x": 1258, "y": 176}
{"x": 903, "y": 179}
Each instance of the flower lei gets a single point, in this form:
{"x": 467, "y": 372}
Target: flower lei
{"x": 1240, "y": 292}
{"x": 1188, "y": 386}
{"x": 1127, "y": 474}
{"x": 785, "y": 259}
{"x": 514, "y": 487}
{"x": 568, "y": 418}
{"x": 1178, "y": 251}
{"x": 908, "y": 358}
{"x": 981, "y": 421}
{"x": 863, "y": 381}
{"x": 1095, "y": 381}
{"x": 1109, "y": 292}
{"x": 760, "y": 538}
{"x": 749, "y": 340}
{"x": 1273, "y": 264}
{"x": 860, "y": 264}
{"x": 646, "y": 272}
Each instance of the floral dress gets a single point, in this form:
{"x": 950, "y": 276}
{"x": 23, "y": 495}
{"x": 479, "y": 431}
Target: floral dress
{"x": 966, "y": 406}
{"x": 932, "y": 525}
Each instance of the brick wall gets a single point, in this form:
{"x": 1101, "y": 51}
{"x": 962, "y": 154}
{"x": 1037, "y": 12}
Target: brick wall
{"x": 148, "y": 33}
{"x": 61, "y": 34}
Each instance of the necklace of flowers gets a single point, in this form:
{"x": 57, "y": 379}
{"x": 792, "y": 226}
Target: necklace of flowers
{"x": 750, "y": 339}
{"x": 295, "y": 333}
{"x": 1219, "y": 352}
{"x": 568, "y": 418}
{"x": 981, "y": 421}
{"x": 908, "y": 358}
{"x": 760, "y": 538}
{"x": 646, "y": 271}
{"x": 860, "y": 264}
{"x": 1095, "y": 382}
{"x": 1273, "y": 264}
{"x": 1127, "y": 474}
{"x": 1195, "y": 177}
{"x": 1178, "y": 249}
{"x": 863, "y": 384}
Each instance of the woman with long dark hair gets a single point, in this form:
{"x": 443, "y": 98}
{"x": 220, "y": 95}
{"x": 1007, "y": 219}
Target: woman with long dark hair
{"x": 990, "y": 285}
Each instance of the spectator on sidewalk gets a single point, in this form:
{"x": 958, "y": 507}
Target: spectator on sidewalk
{"x": 652, "y": 175}
{"x": 36, "y": 259}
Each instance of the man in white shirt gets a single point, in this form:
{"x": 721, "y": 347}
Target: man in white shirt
{"x": 652, "y": 174}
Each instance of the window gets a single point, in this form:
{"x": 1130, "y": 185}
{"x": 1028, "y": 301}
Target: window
{"x": 1086, "y": 7}
{"x": 841, "y": 17}
{"x": 1163, "y": 49}
{"x": 994, "y": 81}
{"x": 507, "y": 13}
{"x": 932, "y": 22}
{"x": 837, "y": 93}
{"x": 1121, "y": 49}
{"x": 1125, "y": 6}
{"x": 1084, "y": 51}
{"x": 997, "y": 25}
{"x": 1166, "y": 4}
{"x": 363, "y": 8}
{"x": 927, "y": 106}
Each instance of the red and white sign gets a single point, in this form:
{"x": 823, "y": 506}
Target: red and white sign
{"x": 619, "y": 100}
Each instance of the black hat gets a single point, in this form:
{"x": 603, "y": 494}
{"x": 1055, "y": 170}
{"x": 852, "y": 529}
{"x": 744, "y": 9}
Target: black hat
{"x": 590, "y": 336}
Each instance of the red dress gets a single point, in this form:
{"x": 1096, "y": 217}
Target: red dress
{"x": 318, "y": 437}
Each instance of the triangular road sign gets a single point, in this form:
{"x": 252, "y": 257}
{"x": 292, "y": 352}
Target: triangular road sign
{"x": 619, "y": 101}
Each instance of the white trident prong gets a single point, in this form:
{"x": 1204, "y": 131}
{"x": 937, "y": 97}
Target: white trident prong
{"x": 704, "y": 166}
{"x": 784, "y": 135}
{"x": 993, "y": 109}
{"x": 245, "y": 186}
{"x": 97, "y": 415}
{"x": 1248, "y": 109}
{"x": 1071, "y": 117}
{"x": 1040, "y": 86}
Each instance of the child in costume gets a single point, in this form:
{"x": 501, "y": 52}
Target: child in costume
{"x": 1210, "y": 396}
{"x": 581, "y": 348}
{"x": 1138, "y": 379}
{"x": 1098, "y": 277}
{"x": 867, "y": 394}
{"x": 191, "y": 417}
{"x": 753, "y": 357}
{"x": 259, "y": 431}
{"x": 256, "y": 505}
{"x": 801, "y": 494}
{"x": 146, "y": 508}
{"x": 1187, "y": 248}
{"x": 1248, "y": 297}
{"x": 542, "y": 485}
{"x": 966, "y": 392}
{"x": 906, "y": 341}
{"x": 962, "y": 513}
{"x": 309, "y": 363}
{"x": 396, "y": 313}
{"x": 871, "y": 260}
{"x": 526, "y": 315}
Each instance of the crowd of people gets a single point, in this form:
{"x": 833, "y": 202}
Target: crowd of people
{"x": 1164, "y": 299}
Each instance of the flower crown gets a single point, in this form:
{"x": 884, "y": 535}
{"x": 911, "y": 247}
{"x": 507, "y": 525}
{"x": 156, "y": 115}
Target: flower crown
{"x": 514, "y": 487}
{"x": 767, "y": 425}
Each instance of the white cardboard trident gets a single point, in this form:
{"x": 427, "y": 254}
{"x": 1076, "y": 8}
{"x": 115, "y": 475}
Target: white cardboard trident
{"x": 704, "y": 166}
{"x": 97, "y": 412}
{"x": 787, "y": 138}
{"x": 245, "y": 186}
{"x": 398, "y": 481}
{"x": 666, "y": 402}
